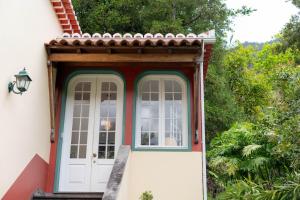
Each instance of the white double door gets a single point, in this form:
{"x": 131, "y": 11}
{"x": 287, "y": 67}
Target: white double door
{"x": 92, "y": 132}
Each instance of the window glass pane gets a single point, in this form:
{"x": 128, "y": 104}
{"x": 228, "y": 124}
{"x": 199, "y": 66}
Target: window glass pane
{"x": 83, "y": 138}
{"x": 101, "y": 152}
{"x": 102, "y": 138}
{"x": 111, "y": 138}
{"x": 111, "y": 152}
{"x": 86, "y": 97}
{"x": 150, "y": 111}
{"x": 154, "y": 138}
{"x": 87, "y": 87}
{"x": 73, "y": 152}
{"x": 104, "y": 98}
{"x": 113, "y": 87}
{"x": 75, "y": 136}
{"x": 145, "y": 127}
{"x": 169, "y": 96}
{"x": 113, "y": 97}
{"x": 177, "y": 96}
{"x": 104, "y": 110}
{"x": 76, "y": 122}
{"x": 154, "y": 96}
{"x": 168, "y": 86}
{"x": 146, "y": 86}
{"x": 146, "y": 96}
{"x": 145, "y": 138}
{"x": 177, "y": 87}
{"x": 76, "y": 111}
{"x": 154, "y": 86}
{"x": 82, "y": 151}
{"x": 105, "y": 86}
{"x": 112, "y": 110}
{"x": 112, "y": 124}
{"x": 85, "y": 110}
{"x": 84, "y": 124}
{"x": 77, "y": 97}
{"x": 78, "y": 87}
{"x": 154, "y": 125}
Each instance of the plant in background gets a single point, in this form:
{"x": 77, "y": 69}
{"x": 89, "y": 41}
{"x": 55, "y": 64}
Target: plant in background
{"x": 147, "y": 195}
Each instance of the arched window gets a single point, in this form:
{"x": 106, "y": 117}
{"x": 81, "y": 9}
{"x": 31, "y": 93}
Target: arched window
{"x": 161, "y": 114}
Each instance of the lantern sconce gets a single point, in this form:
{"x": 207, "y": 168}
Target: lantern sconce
{"x": 22, "y": 82}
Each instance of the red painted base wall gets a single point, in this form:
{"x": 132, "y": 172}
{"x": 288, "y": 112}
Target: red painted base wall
{"x": 32, "y": 177}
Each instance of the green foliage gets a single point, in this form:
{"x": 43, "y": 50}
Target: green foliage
{"x": 260, "y": 160}
{"x": 147, "y": 195}
{"x": 155, "y": 15}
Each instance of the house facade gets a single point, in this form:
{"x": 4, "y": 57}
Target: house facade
{"x": 106, "y": 116}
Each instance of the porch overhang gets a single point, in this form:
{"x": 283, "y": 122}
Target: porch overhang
{"x": 107, "y": 50}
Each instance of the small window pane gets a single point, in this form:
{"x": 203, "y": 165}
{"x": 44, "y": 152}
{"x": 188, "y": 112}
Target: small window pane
{"x": 177, "y": 87}
{"x": 154, "y": 96}
{"x": 85, "y": 110}
{"x": 105, "y": 86}
{"x": 169, "y": 96}
{"x": 146, "y": 96}
{"x": 110, "y": 152}
{"x": 75, "y": 136}
{"x": 76, "y": 123}
{"x": 168, "y": 86}
{"x": 154, "y": 125}
{"x": 146, "y": 86}
{"x": 112, "y": 124}
{"x": 77, "y": 109}
{"x": 86, "y": 97}
{"x": 145, "y": 127}
{"x": 154, "y": 138}
{"x": 104, "y": 111}
{"x": 177, "y": 96}
{"x": 113, "y": 87}
{"x": 108, "y": 124}
{"x": 78, "y": 96}
{"x": 150, "y": 111}
{"x": 168, "y": 125}
{"x": 83, "y": 138}
{"x": 111, "y": 138}
{"x": 84, "y": 124}
{"x": 78, "y": 87}
{"x": 87, "y": 87}
{"x": 101, "y": 152}
{"x": 113, "y": 96}
{"x": 145, "y": 138}
{"x": 154, "y": 86}
{"x": 112, "y": 110}
{"x": 82, "y": 151}
{"x": 102, "y": 138}
{"x": 104, "y": 98}
{"x": 73, "y": 152}
{"x": 168, "y": 109}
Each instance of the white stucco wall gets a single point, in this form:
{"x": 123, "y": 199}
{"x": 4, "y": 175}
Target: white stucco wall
{"x": 168, "y": 175}
{"x": 24, "y": 119}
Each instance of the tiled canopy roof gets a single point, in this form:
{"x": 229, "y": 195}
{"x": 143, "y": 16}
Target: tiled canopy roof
{"x": 66, "y": 16}
{"x": 138, "y": 40}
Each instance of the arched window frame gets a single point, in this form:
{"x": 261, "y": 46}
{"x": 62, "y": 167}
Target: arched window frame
{"x": 183, "y": 82}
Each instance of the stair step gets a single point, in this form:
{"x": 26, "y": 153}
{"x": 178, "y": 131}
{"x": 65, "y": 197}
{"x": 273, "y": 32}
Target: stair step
{"x": 69, "y": 195}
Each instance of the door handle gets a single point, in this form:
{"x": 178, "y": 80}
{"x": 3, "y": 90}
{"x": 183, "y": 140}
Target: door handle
{"x": 94, "y": 155}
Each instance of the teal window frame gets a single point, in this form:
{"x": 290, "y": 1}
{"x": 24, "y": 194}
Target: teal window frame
{"x": 188, "y": 93}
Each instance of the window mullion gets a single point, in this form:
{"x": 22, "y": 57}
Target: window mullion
{"x": 162, "y": 113}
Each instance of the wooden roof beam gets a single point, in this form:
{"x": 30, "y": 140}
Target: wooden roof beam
{"x": 125, "y": 58}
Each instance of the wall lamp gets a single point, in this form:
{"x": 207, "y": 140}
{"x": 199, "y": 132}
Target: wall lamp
{"x": 22, "y": 82}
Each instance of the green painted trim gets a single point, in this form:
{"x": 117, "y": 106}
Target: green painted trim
{"x": 188, "y": 93}
{"x": 63, "y": 110}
